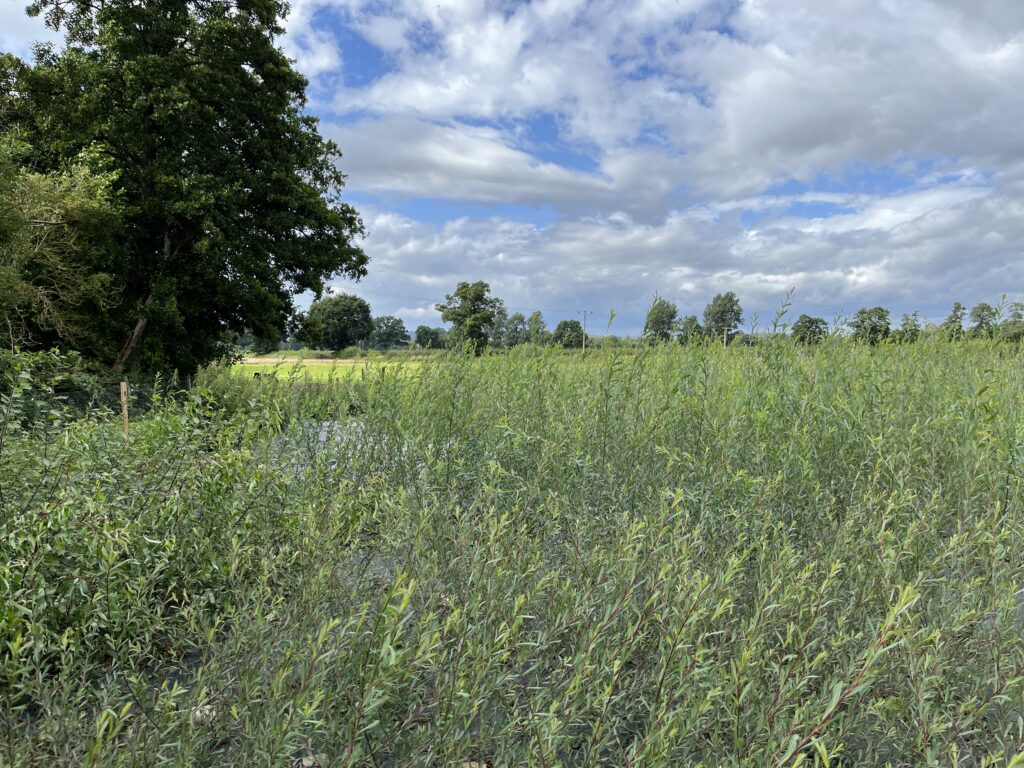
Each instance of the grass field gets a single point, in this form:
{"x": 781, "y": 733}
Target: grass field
{"x": 686, "y": 556}
{"x": 293, "y": 366}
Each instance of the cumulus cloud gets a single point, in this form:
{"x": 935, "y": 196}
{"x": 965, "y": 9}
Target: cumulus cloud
{"x": 806, "y": 88}
{"x": 18, "y": 32}
{"x": 917, "y": 251}
{"x": 899, "y": 120}
{"x": 415, "y": 157}
{"x": 772, "y": 88}
{"x": 862, "y": 151}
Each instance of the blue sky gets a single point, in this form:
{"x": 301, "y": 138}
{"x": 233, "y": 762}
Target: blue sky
{"x": 585, "y": 155}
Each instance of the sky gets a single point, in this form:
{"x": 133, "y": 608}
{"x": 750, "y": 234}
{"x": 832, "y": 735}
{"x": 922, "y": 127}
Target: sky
{"x": 587, "y": 155}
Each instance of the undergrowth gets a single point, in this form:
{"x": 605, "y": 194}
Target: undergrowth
{"x": 686, "y": 556}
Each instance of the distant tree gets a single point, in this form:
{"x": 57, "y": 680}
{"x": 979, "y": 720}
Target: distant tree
{"x": 690, "y": 330}
{"x": 430, "y": 338}
{"x": 1011, "y": 330}
{"x": 537, "y": 329}
{"x": 568, "y": 333}
{"x": 746, "y": 339}
{"x": 870, "y": 325}
{"x": 497, "y": 329}
{"x": 953, "y": 326}
{"x": 809, "y": 330}
{"x": 909, "y": 330}
{"x": 344, "y": 320}
{"x": 388, "y": 331}
{"x": 516, "y": 330}
{"x": 308, "y": 331}
{"x": 661, "y": 318}
{"x": 261, "y": 346}
{"x": 984, "y": 318}
{"x": 722, "y": 317}
{"x": 470, "y": 310}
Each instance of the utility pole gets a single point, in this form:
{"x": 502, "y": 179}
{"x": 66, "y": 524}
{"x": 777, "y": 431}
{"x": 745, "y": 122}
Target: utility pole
{"x": 584, "y": 313}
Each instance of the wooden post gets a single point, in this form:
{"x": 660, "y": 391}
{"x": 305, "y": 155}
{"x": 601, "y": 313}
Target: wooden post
{"x": 124, "y": 408}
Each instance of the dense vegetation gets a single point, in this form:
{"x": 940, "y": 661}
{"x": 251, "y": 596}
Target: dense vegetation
{"x": 162, "y": 186}
{"x": 707, "y": 555}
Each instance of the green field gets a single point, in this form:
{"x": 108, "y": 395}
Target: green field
{"x": 294, "y": 366}
{"x": 683, "y": 556}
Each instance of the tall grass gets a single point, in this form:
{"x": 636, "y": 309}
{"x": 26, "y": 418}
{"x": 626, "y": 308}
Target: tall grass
{"x": 717, "y": 556}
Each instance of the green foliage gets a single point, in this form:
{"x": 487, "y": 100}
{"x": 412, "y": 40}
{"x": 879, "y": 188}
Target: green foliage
{"x": 537, "y": 329}
{"x": 259, "y": 346}
{"x": 308, "y": 331}
{"x": 1011, "y": 330}
{"x": 430, "y": 338}
{"x": 568, "y": 334}
{"x": 517, "y": 331}
{"x": 909, "y": 330}
{"x": 774, "y": 555}
{"x": 56, "y": 252}
{"x": 661, "y": 319}
{"x": 231, "y": 197}
{"x": 265, "y": 346}
{"x": 337, "y": 322}
{"x": 722, "y": 317}
{"x": 809, "y": 330}
{"x": 953, "y": 326}
{"x": 497, "y": 330}
{"x": 870, "y": 325}
{"x": 472, "y": 311}
{"x": 984, "y": 319}
{"x": 690, "y": 330}
{"x": 51, "y": 372}
{"x": 388, "y": 332}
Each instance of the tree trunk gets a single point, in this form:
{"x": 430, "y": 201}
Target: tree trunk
{"x": 134, "y": 344}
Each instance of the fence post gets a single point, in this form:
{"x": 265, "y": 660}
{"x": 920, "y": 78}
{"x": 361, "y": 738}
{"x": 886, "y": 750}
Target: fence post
{"x": 124, "y": 408}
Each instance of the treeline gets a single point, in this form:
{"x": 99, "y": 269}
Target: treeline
{"x": 868, "y": 325}
{"x": 480, "y": 321}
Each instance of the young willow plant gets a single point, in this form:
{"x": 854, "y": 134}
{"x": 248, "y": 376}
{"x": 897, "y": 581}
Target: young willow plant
{"x": 701, "y": 555}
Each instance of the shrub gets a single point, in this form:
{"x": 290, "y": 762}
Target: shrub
{"x": 662, "y": 556}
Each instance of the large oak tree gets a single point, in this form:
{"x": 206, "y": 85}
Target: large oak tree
{"x": 231, "y": 197}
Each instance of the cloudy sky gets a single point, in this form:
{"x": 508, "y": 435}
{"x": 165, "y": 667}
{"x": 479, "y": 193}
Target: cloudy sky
{"x": 584, "y": 155}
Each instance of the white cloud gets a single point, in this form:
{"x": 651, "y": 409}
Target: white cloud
{"x": 18, "y": 32}
{"x": 415, "y": 157}
{"x": 930, "y": 249}
{"x": 814, "y": 87}
{"x": 904, "y": 116}
{"x": 691, "y": 111}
